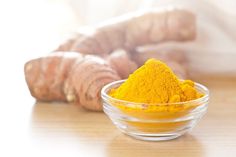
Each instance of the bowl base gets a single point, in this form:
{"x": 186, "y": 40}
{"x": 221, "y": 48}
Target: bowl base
{"x": 155, "y": 137}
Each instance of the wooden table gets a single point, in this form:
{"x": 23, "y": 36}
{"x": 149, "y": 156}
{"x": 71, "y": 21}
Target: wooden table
{"x": 59, "y": 129}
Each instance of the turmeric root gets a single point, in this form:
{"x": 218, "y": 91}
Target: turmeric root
{"x": 121, "y": 62}
{"x": 46, "y": 75}
{"x": 71, "y": 77}
{"x": 134, "y": 30}
{"x": 78, "y": 77}
{"x": 86, "y": 79}
{"x": 68, "y": 42}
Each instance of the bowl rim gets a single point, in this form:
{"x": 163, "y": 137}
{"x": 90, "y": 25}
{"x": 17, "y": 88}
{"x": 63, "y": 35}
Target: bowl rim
{"x": 104, "y": 95}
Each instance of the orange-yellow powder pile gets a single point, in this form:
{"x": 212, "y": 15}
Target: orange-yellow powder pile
{"x": 155, "y": 83}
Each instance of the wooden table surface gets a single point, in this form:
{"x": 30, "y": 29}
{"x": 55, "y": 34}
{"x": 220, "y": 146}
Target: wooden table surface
{"x": 58, "y": 129}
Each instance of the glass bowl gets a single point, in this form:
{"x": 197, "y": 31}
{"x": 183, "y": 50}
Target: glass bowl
{"x": 154, "y": 122}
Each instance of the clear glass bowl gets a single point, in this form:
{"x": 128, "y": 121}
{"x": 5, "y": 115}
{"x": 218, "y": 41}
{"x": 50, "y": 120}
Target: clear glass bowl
{"x": 154, "y": 122}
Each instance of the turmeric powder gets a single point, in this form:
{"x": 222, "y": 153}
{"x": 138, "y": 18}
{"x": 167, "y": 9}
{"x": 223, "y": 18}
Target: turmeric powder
{"x": 160, "y": 91}
{"x": 155, "y": 83}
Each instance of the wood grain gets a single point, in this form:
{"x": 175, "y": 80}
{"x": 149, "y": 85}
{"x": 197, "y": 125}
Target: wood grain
{"x": 69, "y": 128}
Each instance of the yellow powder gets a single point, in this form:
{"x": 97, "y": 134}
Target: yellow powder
{"x": 154, "y": 83}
